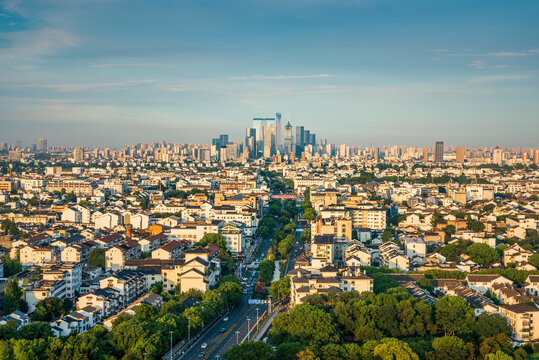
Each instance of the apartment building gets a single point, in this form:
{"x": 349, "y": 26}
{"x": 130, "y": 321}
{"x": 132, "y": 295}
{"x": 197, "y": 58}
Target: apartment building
{"x": 32, "y": 255}
{"x": 195, "y": 231}
{"x": 42, "y": 290}
{"x": 524, "y": 319}
{"x": 234, "y": 234}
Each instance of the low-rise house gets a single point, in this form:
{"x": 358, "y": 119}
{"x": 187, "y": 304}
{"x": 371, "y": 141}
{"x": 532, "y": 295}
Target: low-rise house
{"x": 116, "y": 256}
{"x": 393, "y": 257}
{"x": 515, "y": 254}
{"x": 485, "y": 282}
{"x": 304, "y": 283}
{"x": 171, "y": 250}
{"x": 152, "y": 242}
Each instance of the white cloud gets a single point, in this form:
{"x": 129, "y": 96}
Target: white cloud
{"x": 530, "y": 52}
{"x": 79, "y": 87}
{"x": 501, "y": 77}
{"x": 32, "y": 44}
{"x": 279, "y": 77}
{"x": 125, "y": 65}
{"x": 480, "y": 64}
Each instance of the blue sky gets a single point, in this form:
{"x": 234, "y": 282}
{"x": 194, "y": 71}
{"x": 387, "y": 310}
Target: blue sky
{"x": 114, "y": 72}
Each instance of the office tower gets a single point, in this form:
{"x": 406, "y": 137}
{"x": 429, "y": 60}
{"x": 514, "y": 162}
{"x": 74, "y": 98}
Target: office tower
{"x": 223, "y": 139}
{"x": 43, "y": 144}
{"x": 33, "y": 148}
{"x": 278, "y": 132}
{"x": 288, "y": 138}
{"x": 300, "y": 140}
{"x": 425, "y": 154}
{"x": 250, "y": 142}
{"x": 306, "y": 137}
{"x": 439, "y": 152}
{"x": 269, "y": 141}
{"x": 497, "y": 156}
{"x": 377, "y": 154}
{"x": 460, "y": 154}
{"x": 313, "y": 140}
{"x": 78, "y": 154}
{"x": 536, "y": 156}
{"x": 260, "y": 125}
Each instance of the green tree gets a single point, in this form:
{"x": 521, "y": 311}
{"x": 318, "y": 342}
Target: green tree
{"x": 96, "y": 257}
{"x": 307, "y": 322}
{"x": 449, "y": 348}
{"x": 213, "y": 238}
{"x": 12, "y": 296}
{"x": 305, "y": 235}
{"x": 11, "y": 266}
{"x": 488, "y": 325}
{"x": 250, "y": 350}
{"x": 499, "y": 355}
{"x": 453, "y": 315}
{"x": 281, "y": 288}
{"x": 266, "y": 269}
{"x": 309, "y": 214}
{"x": 393, "y": 349}
{"x": 475, "y": 225}
{"x": 36, "y": 330}
{"x": 482, "y": 254}
{"x": 534, "y": 260}
{"x": 48, "y": 309}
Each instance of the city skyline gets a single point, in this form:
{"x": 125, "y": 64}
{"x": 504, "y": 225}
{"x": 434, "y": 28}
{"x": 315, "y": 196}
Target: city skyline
{"x": 357, "y": 72}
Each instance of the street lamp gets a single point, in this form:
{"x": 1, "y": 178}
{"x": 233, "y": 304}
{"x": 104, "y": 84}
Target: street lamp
{"x": 171, "y": 344}
{"x": 189, "y": 330}
{"x": 248, "y": 328}
{"x": 237, "y": 338}
{"x": 145, "y": 354}
{"x": 257, "y": 317}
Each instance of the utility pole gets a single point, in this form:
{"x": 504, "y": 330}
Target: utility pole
{"x": 189, "y": 330}
{"x": 171, "y": 344}
{"x": 257, "y": 317}
{"x": 237, "y": 338}
{"x": 248, "y": 328}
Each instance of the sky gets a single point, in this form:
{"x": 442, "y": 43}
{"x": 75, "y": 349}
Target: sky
{"x": 117, "y": 72}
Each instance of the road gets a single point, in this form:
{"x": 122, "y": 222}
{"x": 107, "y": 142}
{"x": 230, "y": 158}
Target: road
{"x": 297, "y": 249}
{"x": 219, "y": 342}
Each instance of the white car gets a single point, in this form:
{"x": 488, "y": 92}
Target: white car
{"x": 225, "y": 318}
{"x": 203, "y": 346}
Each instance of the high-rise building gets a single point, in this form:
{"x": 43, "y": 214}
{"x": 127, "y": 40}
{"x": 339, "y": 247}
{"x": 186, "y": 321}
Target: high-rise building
{"x": 288, "y": 140}
{"x": 300, "y": 140}
{"x": 260, "y": 124}
{"x": 78, "y": 154}
{"x": 460, "y": 154}
{"x": 497, "y": 156}
{"x": 439, "y": 152}
{"x": 43, "y": 144}
{"x": 278, "y": 132}
{"x": 250, "y": 142}
{"x": 536, "y": 156}
{"x": 313, "y": 140}
{"x": 269, "y": 141}
{"x": 306, "y": 137}
{"x": 425, "y": 154}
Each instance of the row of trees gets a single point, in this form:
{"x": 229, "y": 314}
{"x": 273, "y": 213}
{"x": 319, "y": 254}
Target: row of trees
{"x": 389, "y": 325}
{"x": 144, "y": 335}
{"x": 480, "y": 253}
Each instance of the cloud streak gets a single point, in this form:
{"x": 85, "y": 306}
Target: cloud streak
{"x": 80, "y": 87}
{"x": 280, "y": 77}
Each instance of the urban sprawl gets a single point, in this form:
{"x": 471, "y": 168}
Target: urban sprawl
{"x": 279, "y": 246}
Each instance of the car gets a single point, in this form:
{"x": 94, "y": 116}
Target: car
{"x": 203, "y": 346}
{"x": 222, "y": 330}
{"x": 201, "y": 354}
{"x": 225, "y": 318}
